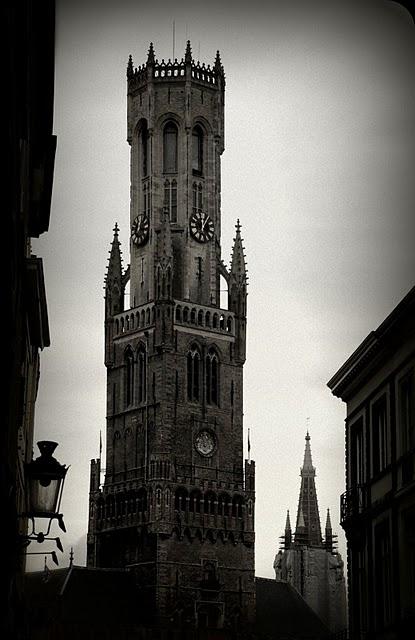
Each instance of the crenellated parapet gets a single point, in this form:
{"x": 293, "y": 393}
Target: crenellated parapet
{"x": 175, "y": 71}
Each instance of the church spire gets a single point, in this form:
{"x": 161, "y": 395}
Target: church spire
{"x": 308, "y": 528}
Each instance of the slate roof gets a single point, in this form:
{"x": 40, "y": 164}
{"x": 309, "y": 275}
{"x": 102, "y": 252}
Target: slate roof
{"x": 108, "y": 599}
{"x": 282, "y": 614}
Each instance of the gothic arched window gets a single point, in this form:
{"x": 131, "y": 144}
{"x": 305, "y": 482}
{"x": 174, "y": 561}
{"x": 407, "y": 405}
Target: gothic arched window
{"x": 170, "y": 148}
{"x": 197, "y": 150}
{"x": 129, "y": 376}
{"x": 193, "y": 374}
{"x": 212, "y": 377}
{"x": 142, "y": 373}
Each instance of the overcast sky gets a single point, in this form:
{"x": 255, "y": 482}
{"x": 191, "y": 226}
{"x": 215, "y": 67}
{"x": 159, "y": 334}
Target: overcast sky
{"x": 319, "y": 167}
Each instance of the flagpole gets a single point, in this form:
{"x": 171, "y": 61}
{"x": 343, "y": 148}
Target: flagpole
{"x": 249, "y": 446}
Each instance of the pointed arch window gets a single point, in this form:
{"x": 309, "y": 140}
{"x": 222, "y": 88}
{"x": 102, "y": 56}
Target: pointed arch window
{"x": 193, "y": 374}
{"x": 197, "y": 150}
{"x": 170, "y": 198}
{"x": 129, "y": 377}
{"x": 170, "y": 148}
{"x": 212, "y": 377}
{"x": 142, "y": 374}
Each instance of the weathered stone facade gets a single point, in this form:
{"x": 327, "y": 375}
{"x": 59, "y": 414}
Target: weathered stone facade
{"x": 177, "y": 504}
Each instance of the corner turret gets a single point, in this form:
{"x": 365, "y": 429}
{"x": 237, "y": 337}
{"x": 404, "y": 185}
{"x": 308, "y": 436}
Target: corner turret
{"x": 238, "y": 281}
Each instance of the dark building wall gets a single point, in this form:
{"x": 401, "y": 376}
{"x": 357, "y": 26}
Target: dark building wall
{"x": 28, "y": 86}
{"x": 378, "y": 508}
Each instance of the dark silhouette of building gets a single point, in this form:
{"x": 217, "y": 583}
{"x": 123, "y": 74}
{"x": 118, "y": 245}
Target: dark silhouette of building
{"x": 378, "y": 507}
{"x": 309, "y": 563}
{"x": 28, "y": 86}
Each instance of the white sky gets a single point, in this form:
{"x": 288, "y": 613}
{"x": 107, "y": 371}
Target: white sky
{"x": 318, "y": 166}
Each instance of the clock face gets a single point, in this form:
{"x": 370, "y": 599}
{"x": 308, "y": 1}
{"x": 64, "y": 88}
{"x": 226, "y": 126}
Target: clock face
{"x": 139, "y": 229}
{"x": 201, "y": 226}
{"x": 205, "y": 443}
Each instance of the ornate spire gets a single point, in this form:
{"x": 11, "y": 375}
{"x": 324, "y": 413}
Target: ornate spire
{"x": 114, "y": 269}
{"x": 188, "y": 53}
{"x": 238, "y": 270}
{"x": 308, "y": 512}
{"x": 150, "y": 57}
{"x": 114, "y": 289}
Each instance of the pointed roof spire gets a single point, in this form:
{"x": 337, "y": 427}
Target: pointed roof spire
{"x": 307, "y": 504}
{"x": 328, "y": 522}
{"x": 130, "y": 68}
{"x": 307, "y": 468}
{"x": 238, "y": 266}
{"x": 188, "y": 52}
{"x": 287, "y": 522}
{"x": 114, "y": 269}
{"x": 150, "y": 57}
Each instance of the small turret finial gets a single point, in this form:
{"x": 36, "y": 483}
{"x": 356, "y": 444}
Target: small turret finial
{"x": 188, "y": 53}
{"x": 130, "y": 68}
{"x": 150, "y": 57}
{"x": 218, "y": 63}
{"x": 71, "y": 557}
{"x": 116, "y": 229}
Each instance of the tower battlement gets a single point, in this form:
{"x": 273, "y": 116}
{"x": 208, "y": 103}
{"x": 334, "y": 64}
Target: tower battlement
{"x": 175, "y": 71}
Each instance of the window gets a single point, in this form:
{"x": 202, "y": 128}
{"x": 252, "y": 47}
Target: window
{"x": 142, "y": 374}
{"x": 357, "y": 462}
{"x": 406, "y": 399}
{"x": 193, "y": 374}
{"x": 197, "y": 200}
{"x": 380, "y": 435}
{"x": 197, "y": 150}
{"x": 129, "y": 377}
{"x": 170, "y": 199}
{"x": 212, "y": 377}
{"x": 170, "y": 148}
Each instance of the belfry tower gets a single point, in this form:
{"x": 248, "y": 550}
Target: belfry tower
{"x": 177, "y": 504}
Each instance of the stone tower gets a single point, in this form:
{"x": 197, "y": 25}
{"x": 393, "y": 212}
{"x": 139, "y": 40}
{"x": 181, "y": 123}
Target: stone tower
{"x": 309, "y": 563}
{"x": 177, "y": 504}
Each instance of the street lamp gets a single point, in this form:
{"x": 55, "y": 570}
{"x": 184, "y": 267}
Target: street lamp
{"x": 44, "y": 479}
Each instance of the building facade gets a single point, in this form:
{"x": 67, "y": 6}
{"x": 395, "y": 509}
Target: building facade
{"x": 177, "y": 503}
{"x": 28, "y": 77}
{"x": 310, "y": 563}
{"x": 378, "y": 507}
